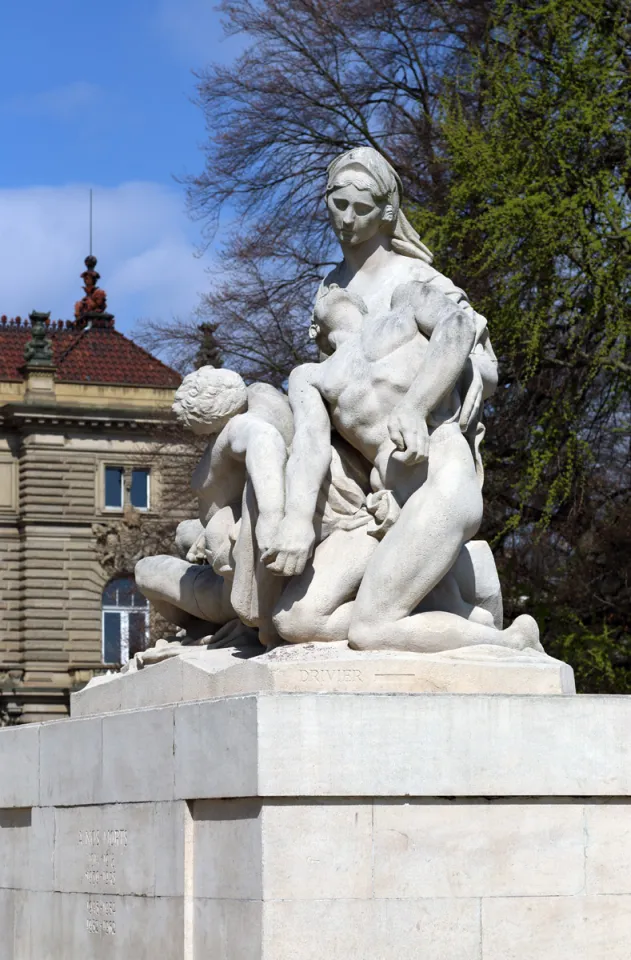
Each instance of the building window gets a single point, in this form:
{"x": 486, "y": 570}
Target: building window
{"x": 139, "y": 491}
{"x": 127, "y": 486}
{"x": 114, "y": 488}
{"x": 125, "y": 621}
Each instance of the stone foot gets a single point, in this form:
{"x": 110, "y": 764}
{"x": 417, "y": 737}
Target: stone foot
{"x": 522, "y": 634}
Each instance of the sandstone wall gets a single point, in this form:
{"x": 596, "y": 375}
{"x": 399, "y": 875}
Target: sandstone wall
{"x": 53, "y": 566}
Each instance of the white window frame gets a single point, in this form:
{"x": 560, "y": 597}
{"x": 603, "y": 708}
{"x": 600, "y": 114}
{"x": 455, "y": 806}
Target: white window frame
{"x": 126, "y": 479}
{"x": 113, "y": 466}
{"x": 148, "y": 507}
{"x": 123, "y": 613}
{"x": 124, "y": 622}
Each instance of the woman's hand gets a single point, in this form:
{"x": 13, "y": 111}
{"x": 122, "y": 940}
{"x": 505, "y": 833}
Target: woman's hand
{"x": 408, "y": 432}
{"x": 291, "y": 547}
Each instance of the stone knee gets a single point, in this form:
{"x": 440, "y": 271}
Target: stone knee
{"x": 144, "y": 574}
{"x": 457, "y": 498}
{"x": 363, "y": 635}
{"x": 146, "y": 579}
{"x": 296, "y": 623}
{"x": 188, "y": 531}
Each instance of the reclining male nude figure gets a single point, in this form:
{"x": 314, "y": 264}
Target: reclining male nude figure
{"x": 240, "y": 486}
{"x": 393, "y": 388}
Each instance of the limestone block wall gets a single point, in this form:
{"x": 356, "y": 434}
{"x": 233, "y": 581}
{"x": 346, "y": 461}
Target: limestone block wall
{"x": 321, "y": 827}
{"x": 470, "y": 880}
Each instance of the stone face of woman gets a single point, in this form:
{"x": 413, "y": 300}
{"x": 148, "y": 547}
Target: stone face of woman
{"x": 354, "y": 214}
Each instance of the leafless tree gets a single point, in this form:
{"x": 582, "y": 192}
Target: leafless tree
{"x": 318, "y": 77}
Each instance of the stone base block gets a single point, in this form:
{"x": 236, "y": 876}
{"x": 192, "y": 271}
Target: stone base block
{"x": 264, "y": 879}
{"x": 200, "y": 674}
{"x": 321, "y": 827}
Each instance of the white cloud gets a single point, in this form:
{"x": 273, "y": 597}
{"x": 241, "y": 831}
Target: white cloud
{"x": 60, "y": 103}
{"x": 143, "y": 240}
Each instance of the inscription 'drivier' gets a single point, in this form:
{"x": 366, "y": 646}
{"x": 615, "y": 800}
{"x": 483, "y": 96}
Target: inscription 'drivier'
{"x": 331, "y": 675}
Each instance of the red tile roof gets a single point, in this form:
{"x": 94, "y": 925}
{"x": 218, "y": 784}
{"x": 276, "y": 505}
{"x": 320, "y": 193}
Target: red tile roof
{"x": 96, "y": 354}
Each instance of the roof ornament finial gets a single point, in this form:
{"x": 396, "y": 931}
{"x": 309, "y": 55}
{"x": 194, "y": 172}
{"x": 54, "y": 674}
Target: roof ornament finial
{"x": 92, "y": 308}
{"x": 38, "y": 351}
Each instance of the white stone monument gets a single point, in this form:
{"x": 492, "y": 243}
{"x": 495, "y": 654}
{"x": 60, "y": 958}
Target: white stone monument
{"x": 343, "y": 754}
{"x": 348, "y": 513}
{"x": 320, "y": 826}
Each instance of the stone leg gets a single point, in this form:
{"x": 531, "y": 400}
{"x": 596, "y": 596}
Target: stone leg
{"x": 317, "y": 605}
{"x": 414, "y": 557}
{"x": 447, "y": 597}
{"x": 476, "y": 573}
{"x": 471, "y": 589}
{"x": 182, "y": 591}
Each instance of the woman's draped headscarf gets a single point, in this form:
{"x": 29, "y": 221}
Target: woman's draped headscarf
{"x": 365, "y": 167}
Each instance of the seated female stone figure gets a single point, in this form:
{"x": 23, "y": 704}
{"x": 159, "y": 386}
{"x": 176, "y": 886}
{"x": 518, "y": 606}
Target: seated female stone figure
{"x": 382, "y": 403}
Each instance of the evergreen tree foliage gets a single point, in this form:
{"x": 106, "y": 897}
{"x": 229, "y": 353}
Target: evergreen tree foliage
{"x": 535, "y": 223}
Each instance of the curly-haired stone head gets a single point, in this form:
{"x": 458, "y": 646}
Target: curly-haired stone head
{"x": 208, "y": 398}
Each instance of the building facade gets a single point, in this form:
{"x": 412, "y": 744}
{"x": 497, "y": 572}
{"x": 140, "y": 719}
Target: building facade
{"x": 84, "y": 470}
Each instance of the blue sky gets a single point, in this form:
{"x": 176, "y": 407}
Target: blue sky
{"x": 98, "y": 95}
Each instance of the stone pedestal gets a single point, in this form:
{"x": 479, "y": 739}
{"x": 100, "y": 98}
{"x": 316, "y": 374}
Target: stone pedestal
{"x": 200, "y": 674}
{"x": 321, "y": 826}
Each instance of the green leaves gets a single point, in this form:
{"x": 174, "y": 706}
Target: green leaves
{"x": 535, "y": 223}
{"x": 536, "y": 217}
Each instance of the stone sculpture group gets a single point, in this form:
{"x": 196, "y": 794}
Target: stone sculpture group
{"x": 347, "y": 510}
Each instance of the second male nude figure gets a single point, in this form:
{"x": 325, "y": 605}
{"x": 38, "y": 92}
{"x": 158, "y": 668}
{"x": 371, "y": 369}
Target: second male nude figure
{"x": 392, "y": 389}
